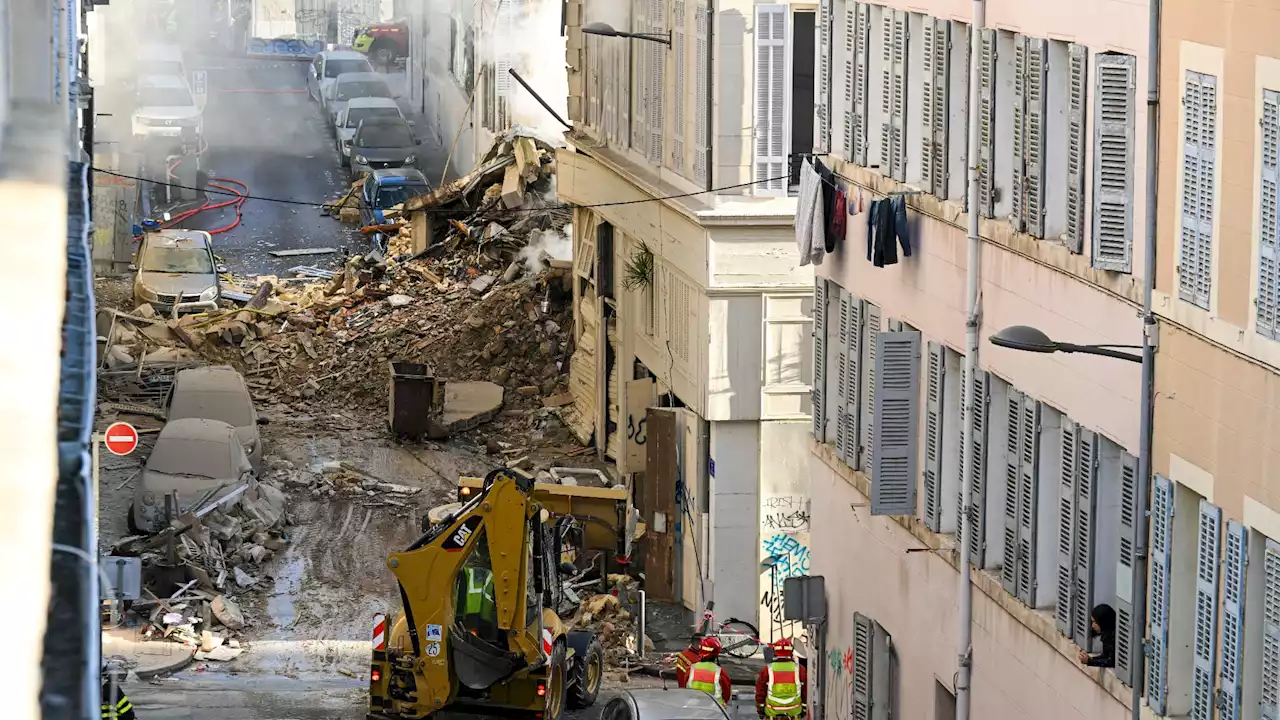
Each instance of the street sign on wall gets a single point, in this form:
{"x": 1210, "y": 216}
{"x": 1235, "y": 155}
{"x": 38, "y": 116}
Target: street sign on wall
{"x": 121, "y": 438}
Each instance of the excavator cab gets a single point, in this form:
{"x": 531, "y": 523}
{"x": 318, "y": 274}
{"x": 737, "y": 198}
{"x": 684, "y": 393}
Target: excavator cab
{"x": 478, "y": 630}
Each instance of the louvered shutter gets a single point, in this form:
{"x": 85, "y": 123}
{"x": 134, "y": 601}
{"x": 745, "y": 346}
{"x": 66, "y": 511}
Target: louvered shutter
{"x": 847, "y": 379}
{"x": 851, "y": 46}
{"x": 822, "y": 109}
{"x": 886, "y": 92}
{"x": 1013, "y": 457}
{"x": 504, "y": 39}
{"x": 675, "y": 159}
{"x": 701, "y": 153}
{"x": 819, "y": 391}
{"x": 1205, "y": 648}
{"x": 1017, "y": 189}
{"x": 897, "y": 421}
{"x": 640, "y": 85}
{"x": 1128, "y": 648}
{"x": 1158, "y": 594}
{"x": 860, "y": 677}
{"x": 866, "y": 418}
{"x": 770, "y": 100}
{"x": 1113, "y": 141}
{"x": 934, "y": 145}
{"x": 987, "y": 123}
{"x": 1076, "y": 139}
{"x": 1033, "y": 122}
{"x": 973, "y": 466}
{"x": 626, "y": 89}
{"x": 860, "y": 74}
{"x": 1270, "y": 690}
{"x": 1028, "y": 492}
{"x": 1195, "y": 263}
{"x": 657, "y": 80}
{"x": 1063, "y": 611}
{"x": 1083, "y": 550}
{"x": 1236, "y": 551}
{"x": 1268, "y": 304}
{"x": 933, "y": 424}
{"x": 901, "y": 39}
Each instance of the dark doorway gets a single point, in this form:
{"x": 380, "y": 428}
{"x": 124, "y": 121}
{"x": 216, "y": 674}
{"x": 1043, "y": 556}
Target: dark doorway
{"x": 803, "y": 32}
{"x": 944, "y": 702}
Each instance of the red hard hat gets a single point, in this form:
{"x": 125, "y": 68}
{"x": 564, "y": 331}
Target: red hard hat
{"x": 709, "y": 647}
{"x": 782, "y": 649}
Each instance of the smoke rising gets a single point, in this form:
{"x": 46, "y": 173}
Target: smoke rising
{"x": 536, "y": 50}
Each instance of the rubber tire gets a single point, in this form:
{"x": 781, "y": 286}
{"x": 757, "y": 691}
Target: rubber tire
{"x": 131, "y": 522}
{"x": 744, "y": 650}
{"x": 382, "y": 54}
{"x": 556, "y": 664}
{"x": 582, "y": 696}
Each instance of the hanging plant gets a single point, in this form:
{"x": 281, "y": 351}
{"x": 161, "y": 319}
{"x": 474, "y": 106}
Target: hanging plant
{"x": 638, "y": 272}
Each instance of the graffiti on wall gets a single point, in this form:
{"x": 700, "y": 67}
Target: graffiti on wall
{"x": 789, "y": 553}
{"x": 839, "y": 690}
{"x": 285, "y": 48}
{"x": 784, "y": 514}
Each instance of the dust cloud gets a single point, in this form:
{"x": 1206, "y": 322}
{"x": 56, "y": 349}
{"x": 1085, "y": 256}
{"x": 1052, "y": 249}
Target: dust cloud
{"x": 537, "y": 52}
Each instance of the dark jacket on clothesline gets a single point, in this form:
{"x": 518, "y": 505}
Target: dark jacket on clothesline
{"x": 886, "y": 229}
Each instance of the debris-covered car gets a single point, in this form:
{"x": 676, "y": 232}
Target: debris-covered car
{"x": 217, "y": 392}
{"x": 664, "y": 704}
{"x": 176, "y": 268}
{"x": 199, "y": 462}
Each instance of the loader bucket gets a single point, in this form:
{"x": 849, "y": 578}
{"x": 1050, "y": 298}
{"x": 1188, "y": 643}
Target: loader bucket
{"x": 477, "y": 664}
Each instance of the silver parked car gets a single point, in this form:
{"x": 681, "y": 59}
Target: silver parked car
{"x": 217, "y": 392}
{"x": 164, "y": 107}
{"x": 349, "y": 86}
{"x": 359, "y": 109}
{"x": 198, "y": 462}
{"x": 383, "y": 143}
{"x": 176, "y": 271}
{"x": 328, "y": 65}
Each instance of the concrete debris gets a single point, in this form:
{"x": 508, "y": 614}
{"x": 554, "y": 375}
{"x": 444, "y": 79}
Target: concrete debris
{"x": 219, "y": 654}
{"x": 611, "y": 616}
{"x": 399, "y": 300}
{"x": 227, "y": 612}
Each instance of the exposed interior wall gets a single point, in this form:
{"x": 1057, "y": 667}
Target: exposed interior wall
{"x": 784, "y": 521}
{"x": 735, "y": 506}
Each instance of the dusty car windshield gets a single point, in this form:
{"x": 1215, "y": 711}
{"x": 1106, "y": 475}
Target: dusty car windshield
{"x": 193, "y": 261}
{"x": 230, "y": 407}
{"x": 334, "y": 68}
{"x": 367, "y": 88}
{"x": 188, "y": 456}
{"x": 164, "y": 97}
{"x": 389, "y": 197}
{"x": 385, "y": 136}
{"x": 355, "y": 116}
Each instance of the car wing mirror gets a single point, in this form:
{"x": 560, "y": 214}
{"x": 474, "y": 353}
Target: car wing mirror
{"x": 133, "y": 266}
{"x": 222, "y": 269}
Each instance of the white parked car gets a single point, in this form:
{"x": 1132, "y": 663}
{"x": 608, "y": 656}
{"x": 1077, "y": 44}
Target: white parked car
{"x": 165, "y": 108}
{"x": 328, "y": 65}
{"x": 359, "y": 109}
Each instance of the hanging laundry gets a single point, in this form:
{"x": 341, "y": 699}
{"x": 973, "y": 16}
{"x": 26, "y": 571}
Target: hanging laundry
{"x": 886, "y": 229}
{"x": 829, "y": 188}
{"x": 837, "y": 222}
{"x": 810, "y": 218}
{"x": 900, "y": 224}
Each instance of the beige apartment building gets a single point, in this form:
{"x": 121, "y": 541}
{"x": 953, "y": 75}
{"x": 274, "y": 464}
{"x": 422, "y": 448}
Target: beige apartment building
{"x": 1215, "y": 583}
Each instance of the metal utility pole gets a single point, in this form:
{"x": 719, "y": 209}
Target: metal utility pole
{"x": 1150, "y": 342}
{"x": 973, "y": 321}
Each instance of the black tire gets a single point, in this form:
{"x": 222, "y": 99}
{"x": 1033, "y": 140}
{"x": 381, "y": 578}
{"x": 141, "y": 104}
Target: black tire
{"x": 589, "y": 675}
{"x": 382, "y": 54}
{"x": 739, "y": 638}
{"x": 556, "y": 683}
{"x": 132, "y": 522}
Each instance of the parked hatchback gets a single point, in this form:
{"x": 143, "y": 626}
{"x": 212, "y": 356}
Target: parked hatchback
{"x": 328, "y": 65}
{"x": 196, "y": 462}
{"x": 175, "y": 270}
{"x": 349, "y": 86}
{"x": 383, "y": 143}
{"x": 164, "y": 107}
{"x": 358, "y": 110}
{"x": 217, "y": 392}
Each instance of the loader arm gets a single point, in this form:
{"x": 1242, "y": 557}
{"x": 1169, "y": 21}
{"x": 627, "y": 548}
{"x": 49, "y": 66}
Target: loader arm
{"x": 452, "y": 646}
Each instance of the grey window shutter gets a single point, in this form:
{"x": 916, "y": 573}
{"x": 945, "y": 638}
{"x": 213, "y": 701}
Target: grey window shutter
{"x": 1268, "y": 304}
{"x": 1195, "y": 262}
{"x": 886, "y": 93}
{"x": 1126, "y": 643}
{"x": 850, "y": 53}
{"x": 822, "y": 109}
{"x": 1017, "y": 189}
{"x": 843, "y": 379}
{"x": 770, "y": 99}
{"x": 640, "y": 79}
{"x": 1012, "y": 447}
{"x": 1033, "y": 158}
{"x": 866, "y": 416}
{"x": 933, "y": 424}
{"x": 987, "y": 123}
{"x": 1063, "y": 611}
{"x": 881, "y": 673}
{"x": 861, "y": 53}
{"x": 848, "y": 377}
{"x": 1236, "y": 550}
{"x": 1270, "y": 700}
{"x": 818, "y": 393}
{"x": 973, "y": 464}
{"x": 1205, "y": 648}
{"x": 1077, "y": 104}
{"x": 860, "y": 677}
{"x": 1028, "y": 494}
{"x": 897, "y": 423}
{"x": 675, "y": 159}
{"x": 901, "y": 39}
{"x": 702, "y": 121}
{"x": 1113, "y": 141}
{"x": 934, "y": 115}
{"x": 1158, "y": 594}
{"x": 1083, "y": 552}
{"x": 657, "y": 81}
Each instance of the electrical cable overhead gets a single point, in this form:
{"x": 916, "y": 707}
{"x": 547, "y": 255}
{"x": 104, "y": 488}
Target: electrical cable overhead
{"x": 513, "y": 211}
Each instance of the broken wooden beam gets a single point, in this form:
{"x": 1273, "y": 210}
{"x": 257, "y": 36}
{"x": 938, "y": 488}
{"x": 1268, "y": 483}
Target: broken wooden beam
{"x": 513, "y": 187}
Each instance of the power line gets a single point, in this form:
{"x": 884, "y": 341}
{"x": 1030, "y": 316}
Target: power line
{"x": 288, "y": 201}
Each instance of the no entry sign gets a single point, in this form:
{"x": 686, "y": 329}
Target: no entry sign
{"x": 121, "y": 438}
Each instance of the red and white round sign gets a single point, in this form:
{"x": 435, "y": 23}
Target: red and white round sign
{"x": 121, "y": 438}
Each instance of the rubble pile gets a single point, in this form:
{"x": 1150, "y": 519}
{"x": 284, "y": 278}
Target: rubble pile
{"x": 612, "y": 617}
{"x": 212, "y": 558}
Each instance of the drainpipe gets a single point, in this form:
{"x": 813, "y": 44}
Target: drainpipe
{"x": 711, "y": 92}
{"x": 973, "y": 319}
{"x": 1150, "y": 342}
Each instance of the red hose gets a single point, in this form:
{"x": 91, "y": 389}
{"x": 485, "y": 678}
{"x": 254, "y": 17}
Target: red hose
{"x": 240, "y": 191}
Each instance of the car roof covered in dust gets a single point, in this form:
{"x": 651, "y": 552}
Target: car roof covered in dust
{"x": 195, "y": 446}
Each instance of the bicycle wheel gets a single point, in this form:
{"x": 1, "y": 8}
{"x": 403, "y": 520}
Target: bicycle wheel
{"x": 738, "y": 638}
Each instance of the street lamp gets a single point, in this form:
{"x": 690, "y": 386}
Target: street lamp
{"x": 1029, "y": 339}
{"x": 607, "y": 30}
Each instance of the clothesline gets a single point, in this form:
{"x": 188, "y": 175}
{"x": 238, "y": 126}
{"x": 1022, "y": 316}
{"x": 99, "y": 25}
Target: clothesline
{"x": 851, "y": 181}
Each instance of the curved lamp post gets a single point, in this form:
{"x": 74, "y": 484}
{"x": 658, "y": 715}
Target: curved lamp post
{"x": 1029, "y": 339}
{"x": 607, "y": 30}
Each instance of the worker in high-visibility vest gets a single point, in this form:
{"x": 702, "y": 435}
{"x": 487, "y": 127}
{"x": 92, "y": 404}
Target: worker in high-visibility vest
{"x": 707, "y": 675}
{"x": 479, "y": 612}
{"x": 781, "y": 686}
{"x": 685, "y": 660}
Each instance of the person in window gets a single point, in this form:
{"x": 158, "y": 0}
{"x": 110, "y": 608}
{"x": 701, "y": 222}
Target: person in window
{"x": 1103, "y": 626}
